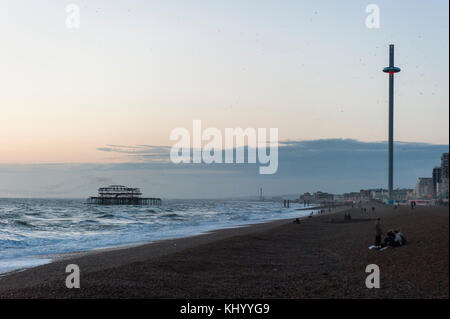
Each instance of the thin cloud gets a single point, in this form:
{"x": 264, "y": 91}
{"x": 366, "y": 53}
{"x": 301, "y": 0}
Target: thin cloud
{"x": 335, "y": 165}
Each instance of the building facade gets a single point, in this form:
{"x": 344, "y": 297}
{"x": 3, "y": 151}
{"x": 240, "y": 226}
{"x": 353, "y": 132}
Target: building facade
{"x": 323, "y": 197}
{"x": 401, "y": 194}
{"x": 306, "y": 197}
{"x": 443, "y": 191}
{"x": 424, "y": 187}
{"x": 437, "y": 180}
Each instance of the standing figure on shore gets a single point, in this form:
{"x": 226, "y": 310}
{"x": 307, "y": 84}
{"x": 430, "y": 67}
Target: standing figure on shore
{"x": 378, "y": 232}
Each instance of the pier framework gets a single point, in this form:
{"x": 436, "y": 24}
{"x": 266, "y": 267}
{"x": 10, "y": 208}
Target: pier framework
{"x": 121, "y": 195}
{"x": 124, "y": 201}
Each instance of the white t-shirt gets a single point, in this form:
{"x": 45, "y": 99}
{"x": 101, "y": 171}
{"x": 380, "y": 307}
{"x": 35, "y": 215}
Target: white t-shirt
{"x": 398, "y": 238}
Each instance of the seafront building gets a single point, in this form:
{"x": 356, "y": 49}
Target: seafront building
{"x": 323, "y": 197}
{"x": 306, "y": 197}
{"x": 436, "y": 186}
{"x": 352, "y": 196}
{"x": 378, "y": 193}
{"x": 427, "y": 188}
{"x": 424, "y": 187}
{"x": 381, "y": 194}
{"x": 443, "y": 187}
{"x": 401, "y": 194}
{"x": 365, "y": 195}
{"x": 437, "y": 181}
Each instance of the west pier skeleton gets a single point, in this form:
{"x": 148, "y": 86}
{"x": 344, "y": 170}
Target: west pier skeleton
{"x": 121, "y": 195}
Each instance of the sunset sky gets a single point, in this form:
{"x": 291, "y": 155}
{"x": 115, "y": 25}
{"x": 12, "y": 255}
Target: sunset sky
{"x": 135, "y": 70}
{"x": 95, "y": 105}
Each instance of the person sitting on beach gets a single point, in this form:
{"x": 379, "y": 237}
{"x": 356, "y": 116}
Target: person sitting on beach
{"x": 296, "y": 221}
{"x": 390, "y": 240}
{"x": 399, "y": 238}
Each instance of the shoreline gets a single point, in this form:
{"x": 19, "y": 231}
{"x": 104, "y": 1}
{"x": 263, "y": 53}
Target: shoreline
{"x": 277, "y": 259}
{"x": 55, "y": 257}
{"x": 171, "y": 245}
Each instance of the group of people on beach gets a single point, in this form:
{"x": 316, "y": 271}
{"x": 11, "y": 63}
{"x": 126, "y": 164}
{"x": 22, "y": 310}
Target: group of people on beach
{"x": 394, "y": 238}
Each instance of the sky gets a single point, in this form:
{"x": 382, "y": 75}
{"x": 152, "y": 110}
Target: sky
{"x": 135, "y": 70}
{"x": 332, "y": 165}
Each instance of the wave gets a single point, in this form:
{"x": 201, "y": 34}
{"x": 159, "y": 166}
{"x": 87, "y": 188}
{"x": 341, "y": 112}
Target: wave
{"x": 36, "y": 227}
{"x": 12, "y": 243}
{"x": 170, "y": 215}
{"x": 106, "y": 216}
{"x": 23, "y": 223}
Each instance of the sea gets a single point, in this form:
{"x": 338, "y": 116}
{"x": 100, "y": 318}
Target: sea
{"x": 35, "y": 231}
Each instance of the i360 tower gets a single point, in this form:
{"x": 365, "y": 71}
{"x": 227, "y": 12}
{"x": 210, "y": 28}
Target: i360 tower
{"x": 391, "y": 69}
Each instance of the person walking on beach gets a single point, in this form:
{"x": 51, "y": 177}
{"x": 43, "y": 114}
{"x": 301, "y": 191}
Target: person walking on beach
{"x": 378, "y": 232}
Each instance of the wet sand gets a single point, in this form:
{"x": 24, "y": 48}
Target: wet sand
{"x": 322, "y": 257}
